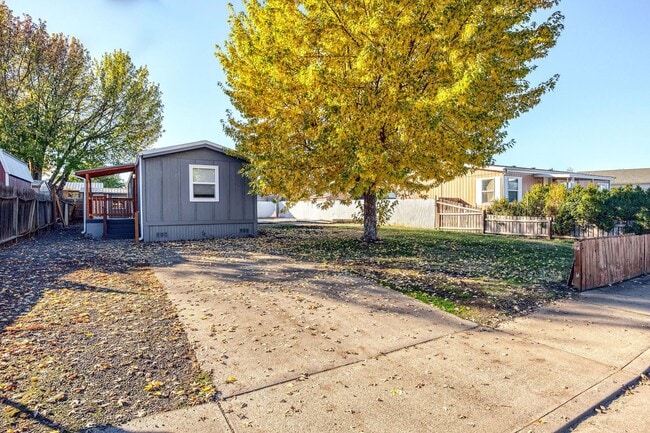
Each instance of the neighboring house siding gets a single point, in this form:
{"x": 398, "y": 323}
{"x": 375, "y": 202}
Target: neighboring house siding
{"x": 170, "y": 214}
{"x": 482, "y": 186}
{"x": 463, "y": 187}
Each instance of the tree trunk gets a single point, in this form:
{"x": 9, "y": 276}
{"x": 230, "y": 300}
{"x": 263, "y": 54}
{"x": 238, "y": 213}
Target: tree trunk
{"x": 370, "y": 217}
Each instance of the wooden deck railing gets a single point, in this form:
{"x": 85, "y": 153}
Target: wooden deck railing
{"x": 111, "y": 207}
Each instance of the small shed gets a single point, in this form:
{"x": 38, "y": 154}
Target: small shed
{"x": 193, "y": 191}
{"x": 14, "y": 172}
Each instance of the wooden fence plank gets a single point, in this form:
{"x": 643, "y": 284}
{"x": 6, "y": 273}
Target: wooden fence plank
{"x": 646, "y": 248}
{"x": 22, "y": 212}
{"x": 609, "y": 260}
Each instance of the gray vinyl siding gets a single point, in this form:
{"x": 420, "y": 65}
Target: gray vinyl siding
{"x": 168, "y": 213}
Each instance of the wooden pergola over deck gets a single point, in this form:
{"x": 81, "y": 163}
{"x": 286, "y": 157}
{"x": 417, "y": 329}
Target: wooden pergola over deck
{"x": 105, "y": 206}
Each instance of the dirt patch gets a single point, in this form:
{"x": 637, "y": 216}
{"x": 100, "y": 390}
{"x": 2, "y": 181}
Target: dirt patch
{"x": 88, "y": 337}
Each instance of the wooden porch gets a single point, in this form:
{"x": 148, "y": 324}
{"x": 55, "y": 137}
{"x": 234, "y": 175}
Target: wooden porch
{"x": 117, "y": 215}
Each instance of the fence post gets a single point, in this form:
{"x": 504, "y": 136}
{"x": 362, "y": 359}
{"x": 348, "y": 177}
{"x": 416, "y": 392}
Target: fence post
{"x": 16, "y": 207}
{"x": 32, "y": 210}
{"x": 549, "y": 224}
{"x": 435, "y": 212}
{"x": 483, "y": 220}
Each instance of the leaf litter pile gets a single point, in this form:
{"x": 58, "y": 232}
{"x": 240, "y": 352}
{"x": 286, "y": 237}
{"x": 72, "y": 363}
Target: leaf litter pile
{"x": 88, "y": 337}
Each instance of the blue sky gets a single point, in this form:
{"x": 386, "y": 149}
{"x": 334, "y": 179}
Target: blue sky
{"x": 598, "y": 116}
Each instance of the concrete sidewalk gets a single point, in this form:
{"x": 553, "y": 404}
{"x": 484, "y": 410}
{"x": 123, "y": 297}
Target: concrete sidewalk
{"x": 295, "y": 347}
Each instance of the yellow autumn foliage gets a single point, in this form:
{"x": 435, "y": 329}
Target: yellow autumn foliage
{"x": 362, "y": 98}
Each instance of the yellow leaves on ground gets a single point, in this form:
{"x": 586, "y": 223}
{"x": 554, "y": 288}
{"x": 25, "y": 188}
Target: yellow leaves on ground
{"x": 231, "y": 379}
{"x": 153, "y": 385}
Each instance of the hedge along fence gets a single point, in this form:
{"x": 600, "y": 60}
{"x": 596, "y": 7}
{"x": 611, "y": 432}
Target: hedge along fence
{"x": 23, "y": 212}
{"x": 602, "y": 261}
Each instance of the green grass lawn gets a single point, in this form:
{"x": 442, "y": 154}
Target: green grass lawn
{"x": 485, "y": 278}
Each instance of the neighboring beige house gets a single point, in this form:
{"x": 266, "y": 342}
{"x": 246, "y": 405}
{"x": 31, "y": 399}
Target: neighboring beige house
{"x": 482, "y": 186}
{"x": 631, "y": 176}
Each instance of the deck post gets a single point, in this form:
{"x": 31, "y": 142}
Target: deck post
{"x": 89, "y": 202}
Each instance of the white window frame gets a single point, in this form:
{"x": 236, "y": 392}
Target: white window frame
{"x": 506, "y": 191}
{"x": 215, "y": 183}
{"x": 479, "y": 189}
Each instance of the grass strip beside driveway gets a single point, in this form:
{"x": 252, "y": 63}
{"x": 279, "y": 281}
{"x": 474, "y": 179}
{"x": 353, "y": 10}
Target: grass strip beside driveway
{"x": 484, "y": 278}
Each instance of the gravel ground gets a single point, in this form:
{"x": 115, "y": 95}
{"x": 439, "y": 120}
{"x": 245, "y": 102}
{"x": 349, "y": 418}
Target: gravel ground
{"x": 88, "y": 336}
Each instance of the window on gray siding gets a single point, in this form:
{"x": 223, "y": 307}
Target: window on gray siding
{"x": 204, "y": 183}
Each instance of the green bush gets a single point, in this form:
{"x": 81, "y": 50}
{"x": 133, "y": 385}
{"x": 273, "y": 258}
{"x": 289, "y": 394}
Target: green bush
{"x": 533, "y": 203}
{"x": 504, "y": 207}
{"x": 584, "y": 206}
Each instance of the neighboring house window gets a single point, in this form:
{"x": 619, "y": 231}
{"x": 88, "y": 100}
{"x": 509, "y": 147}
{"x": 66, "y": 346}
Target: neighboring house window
{"x": 487, "y": 190}
{"x": 513, "y": 188}
{"x": 204, "y": 183}
{"x": 568, "y": 184}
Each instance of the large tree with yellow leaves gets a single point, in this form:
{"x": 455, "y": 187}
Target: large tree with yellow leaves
{"x": 359, "y": 98}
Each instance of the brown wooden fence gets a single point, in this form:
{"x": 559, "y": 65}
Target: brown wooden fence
{"x": 602, "y": 261}
{"x": 23, "y": 212}
{"x": 518, "y": 226}
{"x": 454, "y": 216}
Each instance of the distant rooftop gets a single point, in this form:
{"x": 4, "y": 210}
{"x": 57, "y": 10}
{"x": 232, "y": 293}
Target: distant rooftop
{"x": 97, "y": 187}
{"x": 627, "y": 176}
{"x": 540, "y": 172}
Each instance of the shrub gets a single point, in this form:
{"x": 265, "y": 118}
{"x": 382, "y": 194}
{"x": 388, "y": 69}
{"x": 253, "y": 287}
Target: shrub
{"x": 533, "y": 203}
{"x": 583, "y": 206}
{"x": 504, "y": 207}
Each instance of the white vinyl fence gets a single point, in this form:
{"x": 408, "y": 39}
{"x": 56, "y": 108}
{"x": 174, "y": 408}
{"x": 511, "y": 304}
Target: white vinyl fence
{"x": 417, "y": 213}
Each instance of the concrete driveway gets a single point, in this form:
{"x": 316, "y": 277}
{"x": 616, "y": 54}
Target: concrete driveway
{"x": 298, "y": 347}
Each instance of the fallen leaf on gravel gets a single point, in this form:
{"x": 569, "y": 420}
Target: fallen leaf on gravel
{"x": 153, "y": 385}
{"x": 231, "y": 379}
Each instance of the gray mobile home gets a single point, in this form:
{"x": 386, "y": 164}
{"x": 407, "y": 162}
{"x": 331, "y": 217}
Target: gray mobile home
{"x": 193, "y": 191}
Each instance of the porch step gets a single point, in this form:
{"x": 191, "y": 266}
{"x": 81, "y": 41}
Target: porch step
{"x": 120, "y": 228}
